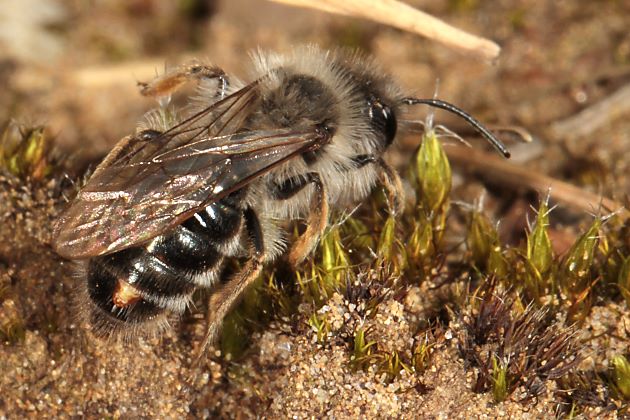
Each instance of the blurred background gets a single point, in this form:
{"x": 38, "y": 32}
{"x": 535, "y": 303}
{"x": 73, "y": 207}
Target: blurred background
{"x": 73, "y": 66}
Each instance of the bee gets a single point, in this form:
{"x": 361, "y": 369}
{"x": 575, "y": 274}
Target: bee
{"x": 170, "y": 204}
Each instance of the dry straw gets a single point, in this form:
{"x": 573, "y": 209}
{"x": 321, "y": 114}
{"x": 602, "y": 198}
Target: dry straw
{"x": 400, "y": 15}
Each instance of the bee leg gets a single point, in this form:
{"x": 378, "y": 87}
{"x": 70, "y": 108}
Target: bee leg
{"x": 318, "y": 213}
{"x": 390, "y": 180}
{"x": 172, "y": 80}
{"x": 121, "y": 147}
{"x": 224, "y": 299}
{"x": 393, "y": 185}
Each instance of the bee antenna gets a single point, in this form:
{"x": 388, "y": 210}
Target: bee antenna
{"x": 436, "y": 103}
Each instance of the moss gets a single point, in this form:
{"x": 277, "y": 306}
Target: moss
{"x": 320, "y": 327}
{"x": 539, "y": 256}
{"x": 500, "y": 382}
{"x": 511, "y": 306}
{"x": 423, "y": 352}
{"x": 361, "y": 349}
{"x": 580, "y": 390}
{"x": 513, "y": 347}
{"x": 620, "y": 368}
{"x": 26, "y": 151}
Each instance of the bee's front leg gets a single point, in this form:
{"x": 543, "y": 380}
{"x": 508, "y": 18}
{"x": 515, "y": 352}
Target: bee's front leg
{"x": 173, "y": 80}
{"x": 318, "y": 213}
{"x": 390, "y": 180}
{"x": 393, "y": 185}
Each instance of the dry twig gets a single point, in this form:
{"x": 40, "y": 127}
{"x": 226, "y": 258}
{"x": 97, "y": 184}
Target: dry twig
{"x": 506, "y": 173}
{"x": 590, "y": 119}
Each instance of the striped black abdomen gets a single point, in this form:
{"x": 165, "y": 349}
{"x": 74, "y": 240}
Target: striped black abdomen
{"x": 140, "y": 284}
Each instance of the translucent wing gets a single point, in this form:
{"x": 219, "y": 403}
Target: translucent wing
{"x": 150, "y": 186}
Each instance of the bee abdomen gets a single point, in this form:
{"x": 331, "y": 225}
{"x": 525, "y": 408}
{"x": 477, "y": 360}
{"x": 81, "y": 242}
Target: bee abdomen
{"x": 188, "y": 253}
{"x": 137, "y": 272}
{"x": 139, "y": 284}
{"x": 103, "y": 285}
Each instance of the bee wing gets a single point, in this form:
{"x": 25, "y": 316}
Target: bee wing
{"x": 145, "y": 191}
{"x": 223, "y": 117}
{"x": 127, "y": 205}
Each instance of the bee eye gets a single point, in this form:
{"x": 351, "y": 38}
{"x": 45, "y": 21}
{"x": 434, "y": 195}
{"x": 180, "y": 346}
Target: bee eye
{"x": 383, "y": 120}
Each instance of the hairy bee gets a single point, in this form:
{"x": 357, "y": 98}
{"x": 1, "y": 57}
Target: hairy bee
{"x": 170, "y": 204}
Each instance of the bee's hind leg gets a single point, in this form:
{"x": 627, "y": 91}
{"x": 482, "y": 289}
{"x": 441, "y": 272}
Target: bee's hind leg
{"x": 224, "y": 299}
{"x": 173, "y": 80}
{"x": 389, "y": 179}
{"x": 318, "y": 213}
